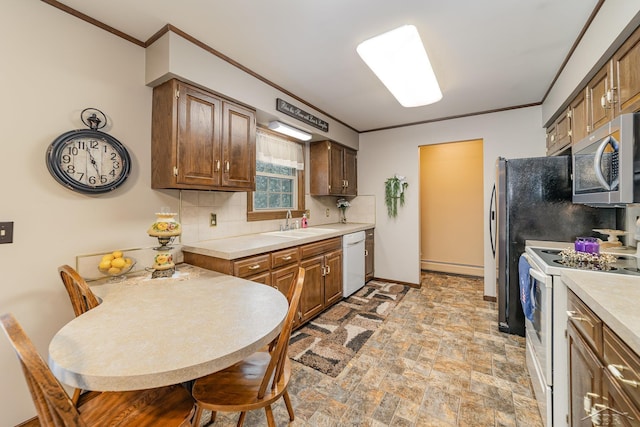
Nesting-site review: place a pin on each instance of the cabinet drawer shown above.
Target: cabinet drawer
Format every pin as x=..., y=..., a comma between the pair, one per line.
x=284, y=257
x=251, y=266
x=586, y=321
x=318, y=248
x=623, y=364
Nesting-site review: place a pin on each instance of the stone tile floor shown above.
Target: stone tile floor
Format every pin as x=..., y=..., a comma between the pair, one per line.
x=438, y=360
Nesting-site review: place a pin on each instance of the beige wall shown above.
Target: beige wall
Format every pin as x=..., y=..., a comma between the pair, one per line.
x=451, y=207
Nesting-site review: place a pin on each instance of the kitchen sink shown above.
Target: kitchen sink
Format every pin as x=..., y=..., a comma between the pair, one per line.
x=300, y=233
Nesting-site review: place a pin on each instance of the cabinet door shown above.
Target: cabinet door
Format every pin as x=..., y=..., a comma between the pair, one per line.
x=579, y=122
x=198, y=137
x=626, y=63
x=623, y=412
x=369, y=247
x=238, y=147
x=333, y=278
x=600, y=111
x=585, y=376
x=336, y=176
x=350, y=172
x=282, y=278
x=312, y=298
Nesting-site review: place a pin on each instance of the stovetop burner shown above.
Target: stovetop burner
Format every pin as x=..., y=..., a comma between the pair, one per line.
x=586, y=266
x=624, y=264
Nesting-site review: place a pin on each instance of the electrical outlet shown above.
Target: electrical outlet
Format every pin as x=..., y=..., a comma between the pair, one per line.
x=326, y=212
x=6, y=232
x=213, y=220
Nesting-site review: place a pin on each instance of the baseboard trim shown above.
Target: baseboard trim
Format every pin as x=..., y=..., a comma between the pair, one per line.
x=412, y=285
x=490, y=298
x=33, y=422
x=465, y=270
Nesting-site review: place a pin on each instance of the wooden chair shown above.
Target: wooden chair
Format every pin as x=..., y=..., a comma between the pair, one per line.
x=255, y=382
x=165, y=406
x=82, y=299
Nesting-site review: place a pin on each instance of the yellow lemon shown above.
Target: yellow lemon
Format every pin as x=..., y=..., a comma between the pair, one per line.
x=104, y=264
x=118, y=262
x=114, y=270
x=108, y=257
x=128, y=261
x=117, y=254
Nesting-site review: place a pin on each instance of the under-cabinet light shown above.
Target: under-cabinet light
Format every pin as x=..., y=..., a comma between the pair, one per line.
x=289, y=130
x=400, y=61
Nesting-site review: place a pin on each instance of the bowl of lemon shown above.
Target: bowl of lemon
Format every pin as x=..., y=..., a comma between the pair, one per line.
x=116, y=264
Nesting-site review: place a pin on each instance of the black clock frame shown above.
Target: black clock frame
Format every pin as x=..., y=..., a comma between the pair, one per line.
x=55, y=151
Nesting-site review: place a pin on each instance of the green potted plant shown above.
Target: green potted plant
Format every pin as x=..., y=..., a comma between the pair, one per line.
x=394, y=188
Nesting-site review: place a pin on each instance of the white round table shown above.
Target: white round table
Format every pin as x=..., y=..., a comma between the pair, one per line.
x=154, y=332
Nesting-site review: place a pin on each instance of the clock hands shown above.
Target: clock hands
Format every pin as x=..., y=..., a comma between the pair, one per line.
x=93, y=161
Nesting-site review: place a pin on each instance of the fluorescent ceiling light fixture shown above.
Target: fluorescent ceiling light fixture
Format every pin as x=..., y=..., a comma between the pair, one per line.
x=400, y=61
x=289, y=130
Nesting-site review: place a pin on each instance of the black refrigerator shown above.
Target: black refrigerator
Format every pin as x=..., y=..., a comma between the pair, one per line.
x=532, y=201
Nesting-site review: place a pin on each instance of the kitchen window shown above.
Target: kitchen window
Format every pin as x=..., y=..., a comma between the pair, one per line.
x=279, y=177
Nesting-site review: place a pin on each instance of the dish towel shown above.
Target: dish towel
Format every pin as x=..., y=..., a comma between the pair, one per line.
x=526, y=288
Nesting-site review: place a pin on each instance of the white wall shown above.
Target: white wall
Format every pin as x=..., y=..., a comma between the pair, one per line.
x=510, y=134
x=54, y=66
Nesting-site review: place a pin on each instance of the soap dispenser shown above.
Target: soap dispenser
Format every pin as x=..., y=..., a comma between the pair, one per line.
x=304, y=220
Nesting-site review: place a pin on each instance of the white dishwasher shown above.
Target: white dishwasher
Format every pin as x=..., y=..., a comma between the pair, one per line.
x=352, y=262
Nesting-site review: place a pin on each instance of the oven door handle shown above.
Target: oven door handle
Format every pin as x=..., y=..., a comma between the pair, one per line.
x=597, y=162
x=533, y=271
x=538, y=275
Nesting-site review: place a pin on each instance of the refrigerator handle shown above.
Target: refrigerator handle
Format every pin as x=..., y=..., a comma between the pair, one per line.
x=492, y=219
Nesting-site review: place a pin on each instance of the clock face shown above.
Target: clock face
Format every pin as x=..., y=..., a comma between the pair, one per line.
x=88, y=161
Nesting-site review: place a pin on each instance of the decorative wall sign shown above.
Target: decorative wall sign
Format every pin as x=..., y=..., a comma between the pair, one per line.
x=298, y=113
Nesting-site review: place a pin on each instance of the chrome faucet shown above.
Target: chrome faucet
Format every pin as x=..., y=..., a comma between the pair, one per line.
x=286, y=221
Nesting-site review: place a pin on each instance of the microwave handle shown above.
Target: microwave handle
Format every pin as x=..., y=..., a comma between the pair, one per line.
x=597, y=161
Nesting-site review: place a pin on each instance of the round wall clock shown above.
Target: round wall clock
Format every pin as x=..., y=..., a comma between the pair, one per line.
x=87, y=160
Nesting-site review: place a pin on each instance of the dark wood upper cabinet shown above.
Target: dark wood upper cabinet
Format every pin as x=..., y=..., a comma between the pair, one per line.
x=600, y=110
x=333, y=169
x=626, y=63
x=200, y=140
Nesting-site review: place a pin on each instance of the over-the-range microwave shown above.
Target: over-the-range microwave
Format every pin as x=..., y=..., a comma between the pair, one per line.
x=606, y=164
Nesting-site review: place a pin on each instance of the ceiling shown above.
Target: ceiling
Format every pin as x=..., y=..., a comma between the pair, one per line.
x=487, y=55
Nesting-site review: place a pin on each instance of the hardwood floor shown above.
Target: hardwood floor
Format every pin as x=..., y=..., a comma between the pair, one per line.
x=437, y=360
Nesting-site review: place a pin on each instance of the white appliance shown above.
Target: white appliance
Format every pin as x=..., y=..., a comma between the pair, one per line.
x=353, y=262
x=546, y=343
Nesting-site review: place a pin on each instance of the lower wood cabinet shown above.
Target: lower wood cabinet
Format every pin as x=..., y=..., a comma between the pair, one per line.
x=368, y=255
x=322, y=262
x=604, y=373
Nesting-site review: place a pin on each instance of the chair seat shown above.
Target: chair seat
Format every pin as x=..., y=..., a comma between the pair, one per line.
x=165, y=406
x=236, y=388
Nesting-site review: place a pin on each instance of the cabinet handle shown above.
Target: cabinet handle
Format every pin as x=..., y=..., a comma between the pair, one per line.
x=286, y=258
x=217, y=166
x=597, y=412
x=226, y=166
x=617, y=374
x=324, y=270
x=328, y=269
x=254, y=267
x=573, y=316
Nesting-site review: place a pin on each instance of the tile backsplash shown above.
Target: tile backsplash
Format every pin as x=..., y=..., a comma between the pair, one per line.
x=230, y=208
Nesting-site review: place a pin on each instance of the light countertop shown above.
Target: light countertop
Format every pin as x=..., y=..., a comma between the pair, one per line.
x=613, y=297
x=155, y=332
x=253, y=244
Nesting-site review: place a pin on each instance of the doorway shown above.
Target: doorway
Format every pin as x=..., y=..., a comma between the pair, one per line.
x=451, y=207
